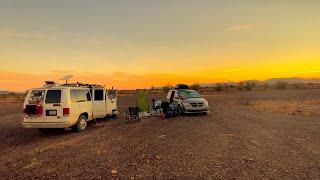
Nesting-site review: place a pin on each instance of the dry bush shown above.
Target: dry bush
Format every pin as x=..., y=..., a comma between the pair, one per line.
x=166, y=88
x=292, y=107
x=195, y=87
x=12, y=97
x=219, y=88
x=281, y=85
x=246, y=101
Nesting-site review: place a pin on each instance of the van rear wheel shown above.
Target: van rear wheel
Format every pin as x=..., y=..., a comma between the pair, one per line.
x=44, y=130
x=81, y=124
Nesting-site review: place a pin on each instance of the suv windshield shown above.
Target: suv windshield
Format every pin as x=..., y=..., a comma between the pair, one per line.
x=189, y=94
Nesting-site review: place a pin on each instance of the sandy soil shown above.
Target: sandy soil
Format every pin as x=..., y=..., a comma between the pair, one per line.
x=248, y=135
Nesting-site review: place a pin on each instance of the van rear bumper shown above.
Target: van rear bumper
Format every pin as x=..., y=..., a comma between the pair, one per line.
x=46, y=124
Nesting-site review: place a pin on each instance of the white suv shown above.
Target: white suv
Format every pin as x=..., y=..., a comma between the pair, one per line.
x=188, y=101
x=70, y=105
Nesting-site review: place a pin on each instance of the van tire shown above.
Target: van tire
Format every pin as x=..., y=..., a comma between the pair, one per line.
x=81, y=124
x=44, y=130
x=114, y=116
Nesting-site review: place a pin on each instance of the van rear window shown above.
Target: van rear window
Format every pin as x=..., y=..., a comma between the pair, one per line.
x=53, y=96
x=36, y=97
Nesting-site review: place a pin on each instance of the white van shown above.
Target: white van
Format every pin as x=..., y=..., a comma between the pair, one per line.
x=68, y=105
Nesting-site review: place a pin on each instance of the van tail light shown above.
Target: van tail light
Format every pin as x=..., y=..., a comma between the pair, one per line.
x=24, y=111
x=39, y=110
x=66, y=111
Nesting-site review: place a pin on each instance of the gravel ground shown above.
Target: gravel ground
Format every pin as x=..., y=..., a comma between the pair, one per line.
x=235, y=141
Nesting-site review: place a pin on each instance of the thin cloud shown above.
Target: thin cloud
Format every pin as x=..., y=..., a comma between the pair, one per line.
x=242, y=27
x=119, y=80
x=307, y=72
x=232, y=70
x=26, y=35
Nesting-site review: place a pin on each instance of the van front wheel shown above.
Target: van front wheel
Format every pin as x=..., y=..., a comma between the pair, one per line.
x=81, y=124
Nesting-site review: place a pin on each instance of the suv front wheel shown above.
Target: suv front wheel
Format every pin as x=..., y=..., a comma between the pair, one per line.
x=81, y=124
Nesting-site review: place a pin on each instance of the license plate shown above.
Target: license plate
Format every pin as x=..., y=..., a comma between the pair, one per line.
x=51, y=112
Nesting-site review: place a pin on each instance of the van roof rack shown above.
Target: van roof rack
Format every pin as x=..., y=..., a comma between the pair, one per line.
x=82, y=85
x=49, y=84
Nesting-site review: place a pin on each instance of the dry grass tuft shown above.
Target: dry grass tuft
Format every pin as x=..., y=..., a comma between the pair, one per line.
x=292, y=107
x=12, y=98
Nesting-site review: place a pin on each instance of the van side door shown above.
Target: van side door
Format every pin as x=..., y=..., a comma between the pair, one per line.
x=98, y=103
x=111, y=101
x=84, y=100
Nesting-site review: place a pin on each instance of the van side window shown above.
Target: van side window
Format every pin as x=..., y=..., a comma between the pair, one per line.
x=53, y=96
x=98, y=95
x=80, y=95
x=73, y=95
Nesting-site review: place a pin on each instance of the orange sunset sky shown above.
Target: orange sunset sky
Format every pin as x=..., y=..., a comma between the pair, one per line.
x=137, y=44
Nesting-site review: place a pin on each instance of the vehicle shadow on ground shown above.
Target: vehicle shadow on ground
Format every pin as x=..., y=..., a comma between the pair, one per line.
x=195, y=115
x=96, y=123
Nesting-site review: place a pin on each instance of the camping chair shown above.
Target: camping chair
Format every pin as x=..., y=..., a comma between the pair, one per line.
x=132, y=114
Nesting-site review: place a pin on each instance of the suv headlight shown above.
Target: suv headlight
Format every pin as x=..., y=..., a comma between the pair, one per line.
x=185, y=104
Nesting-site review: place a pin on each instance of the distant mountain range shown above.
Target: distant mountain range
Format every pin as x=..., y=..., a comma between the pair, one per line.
x=4, y=92
x=292, y=80
x=272, y=81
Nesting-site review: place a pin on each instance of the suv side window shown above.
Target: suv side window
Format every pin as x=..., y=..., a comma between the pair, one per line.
x=98, y=95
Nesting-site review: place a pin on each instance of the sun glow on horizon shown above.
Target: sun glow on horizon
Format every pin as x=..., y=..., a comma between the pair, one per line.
x=139, y=44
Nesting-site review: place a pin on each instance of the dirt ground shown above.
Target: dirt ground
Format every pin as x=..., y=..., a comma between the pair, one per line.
x=247, y=135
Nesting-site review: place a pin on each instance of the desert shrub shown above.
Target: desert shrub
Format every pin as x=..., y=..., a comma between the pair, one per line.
x=195, y=87
x=266, y=86
x=241, y=86
x=281, y=85
x=166, y=88
x=226, y=87
x=219, y=87
x=182, y=86
x=297, y=86
x=249, y=85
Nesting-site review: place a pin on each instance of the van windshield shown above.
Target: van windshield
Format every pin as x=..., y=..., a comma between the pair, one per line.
x=36, y=97
x=189, y=94
x=53, y=96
